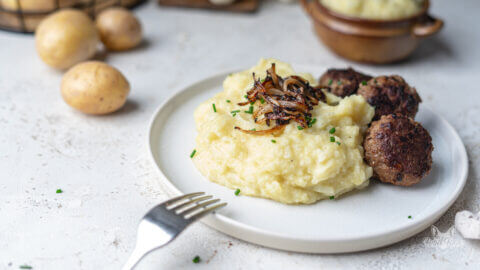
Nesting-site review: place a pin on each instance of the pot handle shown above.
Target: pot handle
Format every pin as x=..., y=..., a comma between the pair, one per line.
x=427, y=26
x=306, y=6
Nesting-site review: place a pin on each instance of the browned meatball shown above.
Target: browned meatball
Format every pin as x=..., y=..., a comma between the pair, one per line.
x=390, y=94
x=398, y=149
x=343, y=82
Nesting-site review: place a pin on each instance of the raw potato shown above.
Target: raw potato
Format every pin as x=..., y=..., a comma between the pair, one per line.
x=65, y=38
x=95, y=88
x=119, y=29
x=29, y=5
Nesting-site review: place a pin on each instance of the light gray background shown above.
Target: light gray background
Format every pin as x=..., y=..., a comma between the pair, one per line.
x=103, y=167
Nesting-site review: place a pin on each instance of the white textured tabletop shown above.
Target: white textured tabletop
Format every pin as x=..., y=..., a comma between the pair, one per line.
x=102, y=164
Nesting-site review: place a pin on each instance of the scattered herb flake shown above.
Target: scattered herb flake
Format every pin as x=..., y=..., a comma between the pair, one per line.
x=253, y=129
x=196, y=259
x=228, y=100
x=410, y=217
x=237, y=191
x=245, y=96
x=214, y=108
x=364, y=82
x=338, y=143
x=234, y=113
x=273, y=141
x=250, y=110
x=59, y=191
x=332, y=130
x=299, y=127
x=193, y=153
x=330, y=82
x=332, y=197
x=332, y=139
x=311, y=122
x=25, y=267
x=262, y=100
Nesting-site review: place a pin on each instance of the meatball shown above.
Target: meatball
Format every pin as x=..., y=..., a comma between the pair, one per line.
x=343, y=82
x=398, y=149
x=390, y=94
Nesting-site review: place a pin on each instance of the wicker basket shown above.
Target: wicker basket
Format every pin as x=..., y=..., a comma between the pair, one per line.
x=25, y=15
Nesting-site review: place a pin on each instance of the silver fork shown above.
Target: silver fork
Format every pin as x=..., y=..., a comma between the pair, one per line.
x=167, y=220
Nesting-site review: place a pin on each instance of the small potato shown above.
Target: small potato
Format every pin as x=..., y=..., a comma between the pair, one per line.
x=95, y=88
x=28, y=5
x=65, y=38
x=119, y=29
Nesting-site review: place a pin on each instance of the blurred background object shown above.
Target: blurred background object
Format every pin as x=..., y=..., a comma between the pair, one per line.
x=381, y=35
x=25, y=15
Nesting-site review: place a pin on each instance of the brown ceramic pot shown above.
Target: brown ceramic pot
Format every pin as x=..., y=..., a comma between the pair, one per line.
x=372, y=41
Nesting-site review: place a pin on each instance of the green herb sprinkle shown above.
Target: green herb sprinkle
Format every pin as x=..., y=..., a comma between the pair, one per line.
x=193, y=153
x=273, y=141
x=299, y=127
x=237, y=191
x=332, y=130
x=330, y=82
x=214, y=108
x=332, y=139
x=59, y=191
x=196, y=259
x=332, y=197
x=364, y=82
x=25, y=267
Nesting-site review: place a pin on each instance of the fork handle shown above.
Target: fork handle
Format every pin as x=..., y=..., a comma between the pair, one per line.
x=135, y=258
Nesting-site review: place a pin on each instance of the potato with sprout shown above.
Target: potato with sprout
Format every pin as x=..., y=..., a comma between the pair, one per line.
x=95, y=88
x=119, y=29
x=65, y=38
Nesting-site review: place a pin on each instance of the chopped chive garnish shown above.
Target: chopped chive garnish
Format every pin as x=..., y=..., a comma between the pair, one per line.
x=59, y=191
x=193, y=153
x=332, y=197
x=228, y=100
x=250, y=110
x=262, y=100
x=339, y=82
x=332, y=130
x=214, y=108
x=364, y=82
x=332, y=139
x=196, y=259
x=25, y=267
x=311, y=122
x=234, y=112
x=410, y=217
x=330, y=82
x=245, y=96
x=237, y=191
x=273, y=141
x=299, y=127
x=253, y=129
x=338, y=143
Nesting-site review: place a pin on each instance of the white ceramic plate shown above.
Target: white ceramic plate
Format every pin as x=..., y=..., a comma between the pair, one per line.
x=373, y=217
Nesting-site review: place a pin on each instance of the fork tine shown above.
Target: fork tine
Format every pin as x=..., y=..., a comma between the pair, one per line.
x=203, y=213
x=182, y=197
x=192, y=210
x=207, y=211
x=181, y=207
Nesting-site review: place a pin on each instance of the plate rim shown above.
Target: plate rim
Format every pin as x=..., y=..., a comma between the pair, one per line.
x=279, y=241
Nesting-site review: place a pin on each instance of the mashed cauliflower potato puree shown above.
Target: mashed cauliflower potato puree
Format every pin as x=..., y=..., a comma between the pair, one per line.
x=375, y=9
x=294, y=167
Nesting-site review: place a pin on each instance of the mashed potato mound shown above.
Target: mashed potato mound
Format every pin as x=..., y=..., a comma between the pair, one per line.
x=375, y=9
x=294, y=167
